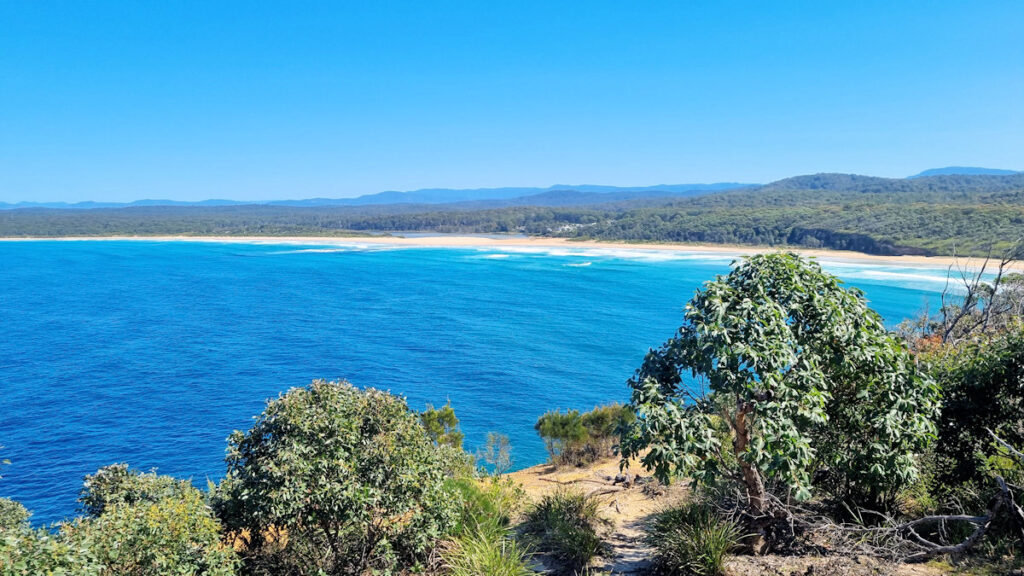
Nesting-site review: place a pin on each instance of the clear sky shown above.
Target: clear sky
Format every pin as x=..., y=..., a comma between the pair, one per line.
x=254, y=100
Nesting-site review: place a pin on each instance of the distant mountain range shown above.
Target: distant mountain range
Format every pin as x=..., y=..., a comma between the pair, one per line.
x=965, y=170
x=88, y=205
x=559, y=195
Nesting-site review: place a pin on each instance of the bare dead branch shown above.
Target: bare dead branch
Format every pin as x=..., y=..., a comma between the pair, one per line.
x=975, y=311
x=1006, y=446
x=895, y=540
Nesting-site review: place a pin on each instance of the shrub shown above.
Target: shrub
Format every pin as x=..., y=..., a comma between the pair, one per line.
x=563, y=433
x=455, y=462
x=565, y=523
x=173, y=535
x=496, y=453
x=13, y=516
x=577, y=439
x=351, y=477
x=605, y=422
x=692, y=538
x=487, y=505
x=483, y=544
x=119, y=484
x=983, y=389
x=31, y=552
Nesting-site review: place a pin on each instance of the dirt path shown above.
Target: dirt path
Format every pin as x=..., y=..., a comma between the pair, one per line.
x=630, y=554
x=628, y=508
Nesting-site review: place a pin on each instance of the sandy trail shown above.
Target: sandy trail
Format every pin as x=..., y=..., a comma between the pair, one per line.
x=630, y=509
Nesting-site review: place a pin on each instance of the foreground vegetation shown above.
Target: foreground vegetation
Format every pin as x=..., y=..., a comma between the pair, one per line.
x=815, y=431
x=935, y=215
x=693, y=537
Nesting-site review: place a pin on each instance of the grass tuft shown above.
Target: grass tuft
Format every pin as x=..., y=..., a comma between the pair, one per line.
x=565, y=524
x=486, y=551
x=692, y=538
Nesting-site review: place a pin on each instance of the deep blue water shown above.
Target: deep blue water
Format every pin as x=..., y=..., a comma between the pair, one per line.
x=151, y=353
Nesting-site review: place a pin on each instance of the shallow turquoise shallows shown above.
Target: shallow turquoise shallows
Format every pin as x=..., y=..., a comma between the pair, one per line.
x=151, y=353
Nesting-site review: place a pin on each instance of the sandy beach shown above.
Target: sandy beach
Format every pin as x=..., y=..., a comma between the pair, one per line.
x=520, y=243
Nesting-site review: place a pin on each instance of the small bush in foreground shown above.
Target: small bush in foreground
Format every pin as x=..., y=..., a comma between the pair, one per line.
x=565, y=524
x=483, y=545
x=175, y=535
x=692, y=538
x=983, y=389
x=119, y=484
x=351, y=476
x=171, y=536
x=13, y=516
x=31, y=552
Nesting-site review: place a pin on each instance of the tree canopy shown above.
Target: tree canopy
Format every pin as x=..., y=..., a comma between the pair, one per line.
x=792, y=374
x=442, y=425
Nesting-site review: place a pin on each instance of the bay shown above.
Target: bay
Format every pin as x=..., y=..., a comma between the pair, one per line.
x=152, y=352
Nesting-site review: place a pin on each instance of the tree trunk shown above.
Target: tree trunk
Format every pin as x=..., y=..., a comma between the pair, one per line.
x=756, y=497
x=751, y=476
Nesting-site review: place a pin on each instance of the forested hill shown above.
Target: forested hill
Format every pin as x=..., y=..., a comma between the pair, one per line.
x=932, y=215
x=941, y=184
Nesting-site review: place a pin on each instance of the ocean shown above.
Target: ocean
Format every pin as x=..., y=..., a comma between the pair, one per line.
x=151, y=353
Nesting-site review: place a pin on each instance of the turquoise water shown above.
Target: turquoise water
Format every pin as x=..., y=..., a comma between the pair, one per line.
x=151, y=353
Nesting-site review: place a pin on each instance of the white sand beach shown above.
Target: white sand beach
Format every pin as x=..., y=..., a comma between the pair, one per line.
x=515, y=242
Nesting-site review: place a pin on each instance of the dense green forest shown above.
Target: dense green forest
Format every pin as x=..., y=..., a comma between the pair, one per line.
x=937, y=215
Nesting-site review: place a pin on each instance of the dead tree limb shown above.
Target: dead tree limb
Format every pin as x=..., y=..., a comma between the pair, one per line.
x=904, y=541
x=973, y=312
x=1006, y=446
x=982, y=523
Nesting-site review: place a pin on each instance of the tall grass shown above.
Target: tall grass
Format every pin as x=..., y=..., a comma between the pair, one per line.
x=565, y=524
x=692, y=538
x=486, y=504
x=487, y=552
x=483, y=544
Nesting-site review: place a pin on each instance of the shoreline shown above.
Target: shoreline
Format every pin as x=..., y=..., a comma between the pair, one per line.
x=467, y=241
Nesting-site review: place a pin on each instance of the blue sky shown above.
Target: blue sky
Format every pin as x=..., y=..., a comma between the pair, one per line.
x=256, y=100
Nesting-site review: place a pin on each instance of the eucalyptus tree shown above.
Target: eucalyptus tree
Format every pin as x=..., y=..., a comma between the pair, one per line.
x=778, y=373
